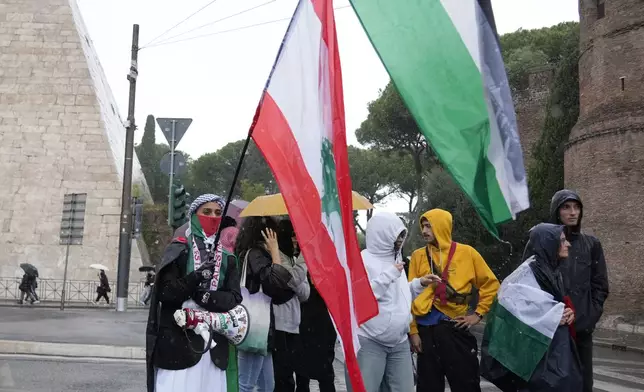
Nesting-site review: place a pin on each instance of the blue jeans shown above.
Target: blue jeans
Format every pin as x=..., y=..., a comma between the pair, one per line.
x=255, y=370
x=383, y=368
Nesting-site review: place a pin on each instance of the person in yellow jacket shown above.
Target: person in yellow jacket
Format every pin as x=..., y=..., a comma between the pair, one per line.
x=439, y=332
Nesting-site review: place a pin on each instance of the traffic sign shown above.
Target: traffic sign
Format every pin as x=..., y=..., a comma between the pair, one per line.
x=180, y=127
x=180, y=165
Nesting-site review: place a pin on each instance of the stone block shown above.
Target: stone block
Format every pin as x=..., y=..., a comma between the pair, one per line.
x=74, y=146
x=54, y=145
x=107, y=185
x=86, y=185
x=85, y=99
x=67, y=100
x=111, y=202
x=93, y=138
x=98, y=162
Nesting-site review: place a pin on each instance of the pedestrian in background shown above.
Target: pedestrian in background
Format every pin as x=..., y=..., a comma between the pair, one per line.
x=27, y=289
x=147, y=288
x=103, y=288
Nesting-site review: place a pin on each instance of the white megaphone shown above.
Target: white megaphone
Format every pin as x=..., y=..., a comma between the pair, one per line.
x=232, y=324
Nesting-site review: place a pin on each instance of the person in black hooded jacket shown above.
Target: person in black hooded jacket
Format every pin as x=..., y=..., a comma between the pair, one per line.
x=193, y=273
x=584, y=276
x=558, y=370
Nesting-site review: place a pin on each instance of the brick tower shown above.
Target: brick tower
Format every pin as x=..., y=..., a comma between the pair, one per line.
x=60, y=133
x=604, y=158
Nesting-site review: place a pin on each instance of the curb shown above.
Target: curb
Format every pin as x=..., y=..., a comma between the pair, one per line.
x=51, y=305
x=618, y=347
x=71, y=350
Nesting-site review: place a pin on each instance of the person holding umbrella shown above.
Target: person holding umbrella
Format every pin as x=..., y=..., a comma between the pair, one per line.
x=103, y=288
x=29, y=284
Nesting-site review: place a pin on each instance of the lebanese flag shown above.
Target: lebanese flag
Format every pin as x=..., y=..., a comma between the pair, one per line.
x=299, y=127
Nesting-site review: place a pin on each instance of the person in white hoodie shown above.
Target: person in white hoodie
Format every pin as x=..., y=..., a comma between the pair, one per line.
x=385, y=354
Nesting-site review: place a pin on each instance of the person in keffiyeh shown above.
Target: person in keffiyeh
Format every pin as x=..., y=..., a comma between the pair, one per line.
x=192, y=274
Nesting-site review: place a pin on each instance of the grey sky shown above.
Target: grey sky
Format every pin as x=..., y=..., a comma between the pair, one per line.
x=217, y=79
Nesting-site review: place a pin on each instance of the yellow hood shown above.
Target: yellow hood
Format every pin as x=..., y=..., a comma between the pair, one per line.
x=466, y=269
x=441, y=222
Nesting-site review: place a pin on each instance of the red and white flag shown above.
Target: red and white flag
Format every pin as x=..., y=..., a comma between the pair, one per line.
x=300, y=129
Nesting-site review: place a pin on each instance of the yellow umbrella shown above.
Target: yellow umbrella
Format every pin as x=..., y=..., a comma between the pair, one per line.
x=273, y=205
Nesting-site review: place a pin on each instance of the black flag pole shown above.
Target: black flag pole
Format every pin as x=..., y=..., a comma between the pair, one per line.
x=231, y=191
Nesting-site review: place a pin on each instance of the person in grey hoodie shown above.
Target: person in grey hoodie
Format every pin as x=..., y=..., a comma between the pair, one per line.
x=385, y=354
x=287, y=346
x=585, y=276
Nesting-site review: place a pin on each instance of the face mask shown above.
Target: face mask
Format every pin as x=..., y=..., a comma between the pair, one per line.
x=209, y=224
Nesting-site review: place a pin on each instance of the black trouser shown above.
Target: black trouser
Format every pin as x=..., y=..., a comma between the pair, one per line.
x=449, y=352
x=585, y=349
x=31, y=296
x=102, y=295
x=325, y=384
x=325, y=380
x=285, y=358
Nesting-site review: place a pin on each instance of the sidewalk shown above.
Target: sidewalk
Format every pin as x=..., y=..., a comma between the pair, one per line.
x=72, y=305
x=92, y=333
x=619, y=340
x=607, y=338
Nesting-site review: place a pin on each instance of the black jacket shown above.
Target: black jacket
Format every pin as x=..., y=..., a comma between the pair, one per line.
x=559, y=369
x=273, y=280
x=104, y=286
x=584, y=273
x=167, y=345
x=28, y=283
x=318, y=337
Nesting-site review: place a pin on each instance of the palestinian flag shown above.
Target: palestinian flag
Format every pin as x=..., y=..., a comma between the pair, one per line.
x=300, y=129
x=443, y=57
x=522, y=316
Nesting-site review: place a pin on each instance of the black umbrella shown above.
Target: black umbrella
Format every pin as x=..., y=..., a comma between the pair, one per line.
x=29, y=269
x=146, y=268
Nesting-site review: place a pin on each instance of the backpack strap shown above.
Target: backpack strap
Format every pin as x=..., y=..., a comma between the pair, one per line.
x=441, y=288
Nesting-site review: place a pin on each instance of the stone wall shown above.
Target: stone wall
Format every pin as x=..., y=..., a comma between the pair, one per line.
x=604, y=159
x=530, y=105
x=60, y=132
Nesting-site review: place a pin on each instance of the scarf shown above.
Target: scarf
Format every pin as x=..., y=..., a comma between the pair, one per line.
x=196, y=258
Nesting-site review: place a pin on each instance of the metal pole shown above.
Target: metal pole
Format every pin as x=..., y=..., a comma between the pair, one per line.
x=172, y=147
x=69, y=243
x=125, y=230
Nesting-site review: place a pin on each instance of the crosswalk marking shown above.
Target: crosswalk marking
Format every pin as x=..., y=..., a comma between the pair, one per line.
x=604, y=386
x=619, y=376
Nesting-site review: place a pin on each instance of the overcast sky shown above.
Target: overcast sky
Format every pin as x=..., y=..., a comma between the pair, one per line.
x=217, y=79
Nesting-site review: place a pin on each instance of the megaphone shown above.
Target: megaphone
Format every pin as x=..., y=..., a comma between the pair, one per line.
x=232, y=324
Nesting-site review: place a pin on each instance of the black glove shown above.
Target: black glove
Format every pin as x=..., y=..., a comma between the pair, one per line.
x=204, y=272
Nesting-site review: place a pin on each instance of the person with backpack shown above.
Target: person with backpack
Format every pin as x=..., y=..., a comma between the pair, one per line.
x=440, y=332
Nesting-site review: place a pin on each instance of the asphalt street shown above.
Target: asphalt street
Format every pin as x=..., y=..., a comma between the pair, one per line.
x=614, y=372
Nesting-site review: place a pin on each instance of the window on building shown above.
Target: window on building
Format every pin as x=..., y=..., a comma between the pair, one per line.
x=601, y=12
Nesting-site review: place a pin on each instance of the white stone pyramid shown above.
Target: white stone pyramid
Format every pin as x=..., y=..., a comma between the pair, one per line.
x=60, y=133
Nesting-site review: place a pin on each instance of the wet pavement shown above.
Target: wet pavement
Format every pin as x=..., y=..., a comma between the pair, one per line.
x=615, y=370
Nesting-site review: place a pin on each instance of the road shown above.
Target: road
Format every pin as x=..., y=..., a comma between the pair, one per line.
x=614, y=372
